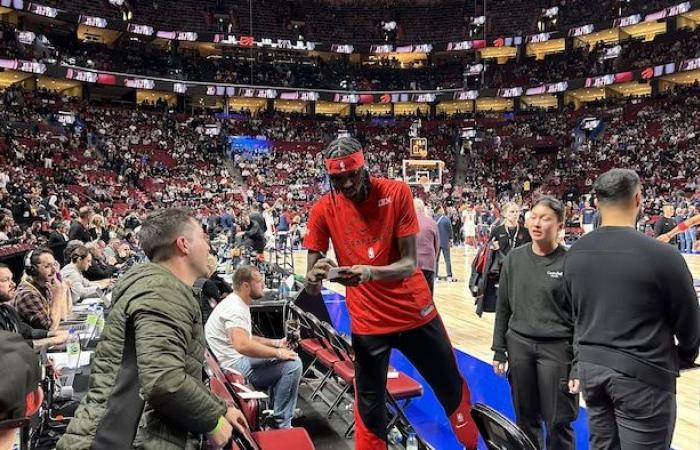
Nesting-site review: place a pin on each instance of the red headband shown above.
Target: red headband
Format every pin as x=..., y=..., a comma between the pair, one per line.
x=345, y=164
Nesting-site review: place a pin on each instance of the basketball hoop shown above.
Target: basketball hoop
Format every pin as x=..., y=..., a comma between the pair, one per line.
x=425, y=182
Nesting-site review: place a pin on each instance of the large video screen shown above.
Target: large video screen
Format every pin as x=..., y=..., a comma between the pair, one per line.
x=248, y=145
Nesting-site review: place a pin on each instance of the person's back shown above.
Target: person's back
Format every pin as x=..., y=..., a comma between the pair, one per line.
x=632, y=302
x=636, y=322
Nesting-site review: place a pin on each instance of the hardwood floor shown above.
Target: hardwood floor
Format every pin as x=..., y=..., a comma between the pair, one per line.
x=472, y=335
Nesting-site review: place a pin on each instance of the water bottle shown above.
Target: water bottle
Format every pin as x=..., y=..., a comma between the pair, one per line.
x=283, y=291
x=91, y=321
x=394, y=436
x=73, y=348
x=412, y=442
x=100, y=324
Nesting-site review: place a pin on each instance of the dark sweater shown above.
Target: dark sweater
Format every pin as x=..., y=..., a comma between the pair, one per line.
x=531, y=299
x=663, y=226
x=631, y=296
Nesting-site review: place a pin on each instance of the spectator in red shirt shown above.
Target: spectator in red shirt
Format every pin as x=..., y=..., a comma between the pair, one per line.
x=373, y=226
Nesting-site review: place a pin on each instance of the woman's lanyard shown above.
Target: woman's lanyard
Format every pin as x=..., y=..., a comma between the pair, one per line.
x=514, y=238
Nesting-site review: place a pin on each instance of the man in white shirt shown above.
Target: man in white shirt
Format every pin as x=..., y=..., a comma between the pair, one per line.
x=264, y=362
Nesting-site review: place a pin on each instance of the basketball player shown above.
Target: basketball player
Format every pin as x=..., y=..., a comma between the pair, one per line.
x=373, y=225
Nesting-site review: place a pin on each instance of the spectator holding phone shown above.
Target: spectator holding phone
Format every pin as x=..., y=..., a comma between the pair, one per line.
x=42, y=299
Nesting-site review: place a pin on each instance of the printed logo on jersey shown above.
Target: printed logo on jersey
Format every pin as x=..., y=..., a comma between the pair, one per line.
x=427, y=310
x=370, y=253
x=383, y=202
x=555, y=275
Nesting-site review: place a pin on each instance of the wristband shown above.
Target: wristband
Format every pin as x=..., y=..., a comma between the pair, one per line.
x=369, y=273
x=682, y=226
x=219, y=425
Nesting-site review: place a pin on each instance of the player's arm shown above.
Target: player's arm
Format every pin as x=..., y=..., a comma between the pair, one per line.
x=682, y=227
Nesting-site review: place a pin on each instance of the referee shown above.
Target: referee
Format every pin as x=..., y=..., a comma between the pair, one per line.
x=636, y=323
x=533, y=331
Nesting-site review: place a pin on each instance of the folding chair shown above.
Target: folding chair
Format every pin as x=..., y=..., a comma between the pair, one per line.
x=309, y=345
x=498, y=432
x=400, y=390
x=295, y=438
x=250, y=408
x=326, y=357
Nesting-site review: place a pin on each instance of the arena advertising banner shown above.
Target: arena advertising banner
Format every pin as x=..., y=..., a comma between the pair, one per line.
x=139, y=83
x=553, y=88
x=16, y=4
x=258, y=93
x=188, y=36
x=540, y=37
x=23, y=66
x=510, y=41
x=342, y=48
x=143, y=30
x=92, y=21
x=304, y=96
x=582, y=30
x=465, y=45
x=634, y=19
x=690, y=64
x=466, y=95
x=41, y=10
x=220, y=91
x=671, y=11
x=510, y=92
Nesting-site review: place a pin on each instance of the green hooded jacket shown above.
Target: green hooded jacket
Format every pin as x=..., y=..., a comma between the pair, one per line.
x=146, y=388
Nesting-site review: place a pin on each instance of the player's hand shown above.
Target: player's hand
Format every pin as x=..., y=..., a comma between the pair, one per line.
x=664, y=238
x=500, y=368
x=574, y=386
x=357, y=274
x=319, y=271
x=235, y=417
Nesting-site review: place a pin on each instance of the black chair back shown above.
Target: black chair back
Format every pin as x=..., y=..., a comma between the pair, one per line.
x=498, y=432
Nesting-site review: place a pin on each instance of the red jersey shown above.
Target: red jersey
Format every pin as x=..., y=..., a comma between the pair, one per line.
x=367, y=234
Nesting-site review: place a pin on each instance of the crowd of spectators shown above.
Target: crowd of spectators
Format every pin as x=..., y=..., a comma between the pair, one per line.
x=125, y=161
x=298, y=70
x=360, y=21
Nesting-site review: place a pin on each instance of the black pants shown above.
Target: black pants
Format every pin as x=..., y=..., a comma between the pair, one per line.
x=429, y=350
x=430, y=278
x=624, y=412
x=538, y=373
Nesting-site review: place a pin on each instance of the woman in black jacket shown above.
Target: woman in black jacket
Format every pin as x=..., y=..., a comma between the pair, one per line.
x=503, y=238
x=533, y=331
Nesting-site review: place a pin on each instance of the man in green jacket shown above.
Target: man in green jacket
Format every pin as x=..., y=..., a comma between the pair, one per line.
x=146, y=388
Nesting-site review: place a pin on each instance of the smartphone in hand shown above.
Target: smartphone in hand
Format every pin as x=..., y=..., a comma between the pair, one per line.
x=339, y=273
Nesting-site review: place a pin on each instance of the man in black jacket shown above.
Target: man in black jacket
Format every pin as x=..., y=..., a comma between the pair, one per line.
x=79, y=228
x=633, y=299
